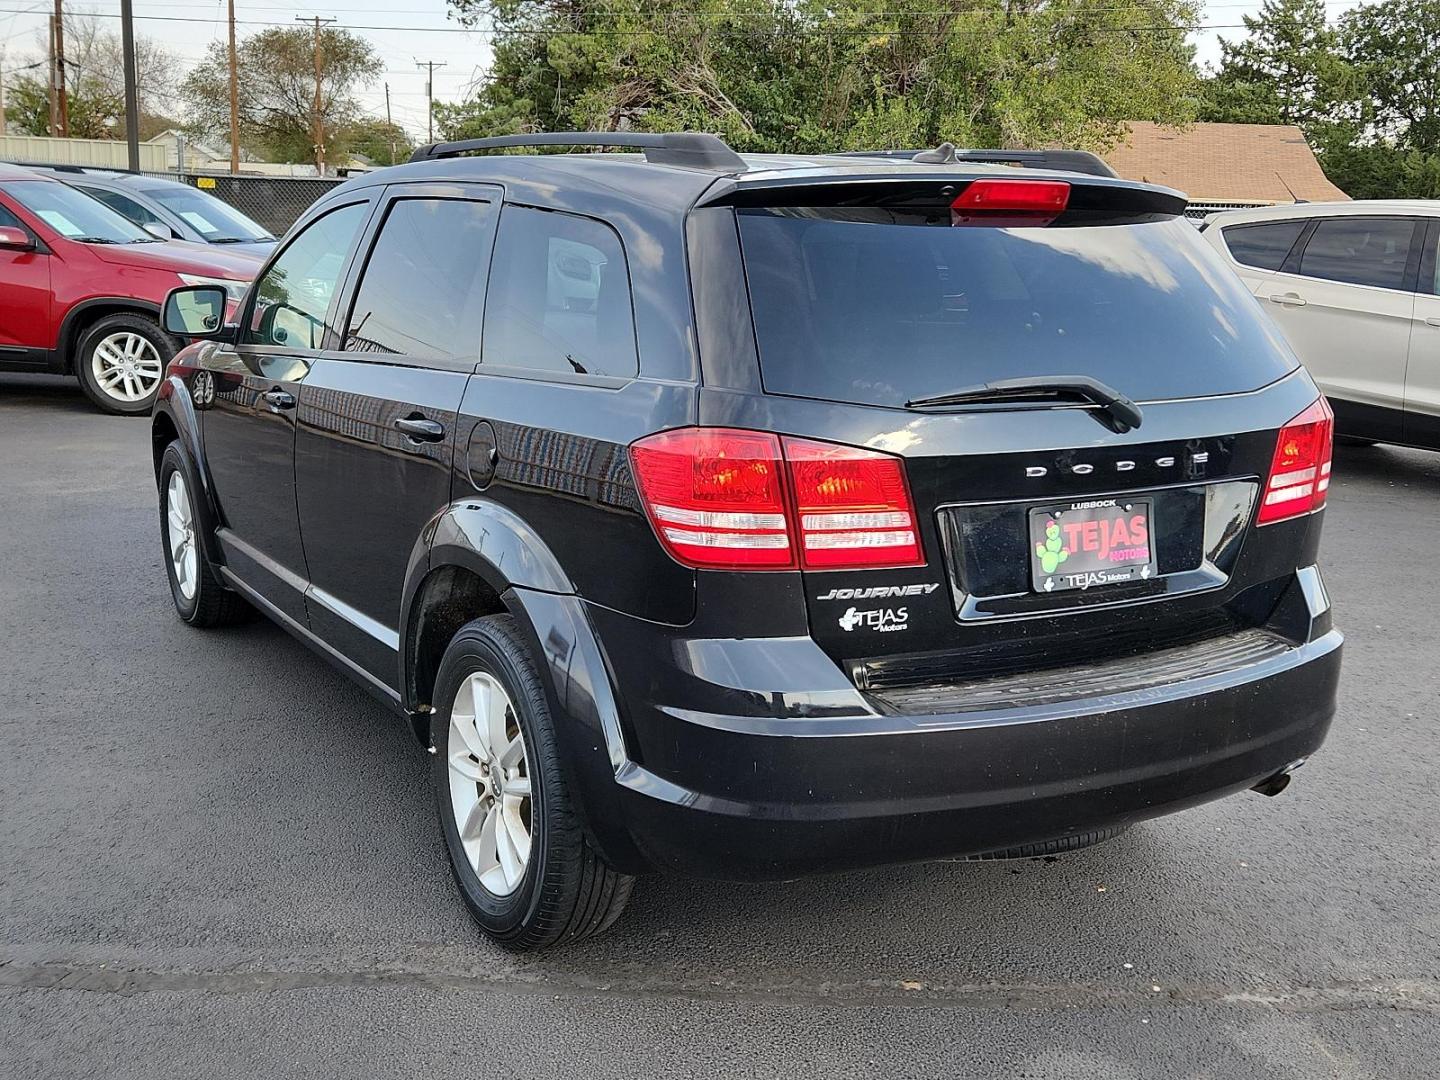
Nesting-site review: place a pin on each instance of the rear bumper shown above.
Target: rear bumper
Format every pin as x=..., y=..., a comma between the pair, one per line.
x=789, y=782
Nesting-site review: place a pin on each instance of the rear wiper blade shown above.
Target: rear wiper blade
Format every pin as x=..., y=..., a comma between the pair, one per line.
x=1116, y=412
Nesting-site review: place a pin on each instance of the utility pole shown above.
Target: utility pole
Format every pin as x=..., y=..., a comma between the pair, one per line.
x=234, y=101
x=54, y=111
x=389, y=124
x=319, y=65
x=429, y=66
x=62, y=113
x=2, y=91
x=132, y=93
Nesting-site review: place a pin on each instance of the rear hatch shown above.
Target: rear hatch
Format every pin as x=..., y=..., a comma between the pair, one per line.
x=981, y=340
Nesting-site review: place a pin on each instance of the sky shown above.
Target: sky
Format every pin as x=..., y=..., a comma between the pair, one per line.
x=402, y=35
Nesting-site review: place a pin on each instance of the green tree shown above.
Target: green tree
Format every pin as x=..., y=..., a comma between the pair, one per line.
x=276, y=73
x=809, y=75
x=94, y=86
x=1288, y=69
x=1394, y=47
x=381, y=142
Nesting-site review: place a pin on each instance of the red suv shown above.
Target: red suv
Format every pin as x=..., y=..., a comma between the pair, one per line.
x=81, y=286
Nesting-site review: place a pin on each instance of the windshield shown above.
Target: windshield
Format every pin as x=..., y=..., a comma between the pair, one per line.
x=218, y=222
x=880, y=313
x=75, y=215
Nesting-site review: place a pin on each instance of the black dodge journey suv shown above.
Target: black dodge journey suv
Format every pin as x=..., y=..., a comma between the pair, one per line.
x=749, y=517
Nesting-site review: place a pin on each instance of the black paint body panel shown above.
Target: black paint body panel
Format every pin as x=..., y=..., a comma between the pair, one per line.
x=726, y=724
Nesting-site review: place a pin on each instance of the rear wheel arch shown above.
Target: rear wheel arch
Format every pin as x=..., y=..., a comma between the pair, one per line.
x=465, y=559
x=446, y=599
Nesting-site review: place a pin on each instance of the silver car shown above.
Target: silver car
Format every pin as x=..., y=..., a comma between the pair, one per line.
x=1356, y=289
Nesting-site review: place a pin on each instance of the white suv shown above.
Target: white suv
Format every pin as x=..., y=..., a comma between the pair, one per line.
x=1355, y=288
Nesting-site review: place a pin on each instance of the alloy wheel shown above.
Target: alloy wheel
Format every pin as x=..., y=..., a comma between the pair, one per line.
x=180, y=534
x=490, y=792
x=126, y=366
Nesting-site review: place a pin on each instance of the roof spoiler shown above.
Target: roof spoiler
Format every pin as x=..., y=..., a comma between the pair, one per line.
x=931, y=190
x=687, y=149
x=1079, y=161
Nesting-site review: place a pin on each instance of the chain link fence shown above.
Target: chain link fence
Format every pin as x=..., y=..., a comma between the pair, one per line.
x=273, y=201
x=1199, y=211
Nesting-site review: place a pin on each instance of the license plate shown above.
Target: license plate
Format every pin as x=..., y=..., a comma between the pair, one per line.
x=1080, y=545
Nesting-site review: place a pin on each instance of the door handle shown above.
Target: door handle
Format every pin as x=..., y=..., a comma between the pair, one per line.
x=420, y=429
x=279, y=400
x=1433, y=320
x=1289, y=299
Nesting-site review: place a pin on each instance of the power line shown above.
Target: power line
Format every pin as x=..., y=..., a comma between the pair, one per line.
x=823, y=31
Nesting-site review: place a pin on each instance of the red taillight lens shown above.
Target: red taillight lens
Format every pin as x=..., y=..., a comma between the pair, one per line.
x=1010, y=202
x=1300, y=472
x=745, y=500
x=853, y=507
x=716, y=497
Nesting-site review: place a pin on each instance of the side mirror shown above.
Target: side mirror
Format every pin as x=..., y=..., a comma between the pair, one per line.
x=159, y=230
x=16, y=239
x=195, y=311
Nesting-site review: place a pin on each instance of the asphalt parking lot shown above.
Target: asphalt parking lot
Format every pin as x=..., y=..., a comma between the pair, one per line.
x=218, y=859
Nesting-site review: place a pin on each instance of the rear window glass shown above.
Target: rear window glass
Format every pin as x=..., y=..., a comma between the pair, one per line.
x=1263, y=246
x=879, y=313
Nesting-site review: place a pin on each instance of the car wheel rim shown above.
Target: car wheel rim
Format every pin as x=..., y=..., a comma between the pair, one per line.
x=126, y=366
x=180, y=534
x=490, y=792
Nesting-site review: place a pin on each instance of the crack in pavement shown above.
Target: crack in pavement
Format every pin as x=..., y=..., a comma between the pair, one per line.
x=1406, y=995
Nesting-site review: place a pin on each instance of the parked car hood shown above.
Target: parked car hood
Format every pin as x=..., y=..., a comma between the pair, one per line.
x=182, y=257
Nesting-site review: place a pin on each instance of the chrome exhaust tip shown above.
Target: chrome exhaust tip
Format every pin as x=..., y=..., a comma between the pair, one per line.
x=1273, y=785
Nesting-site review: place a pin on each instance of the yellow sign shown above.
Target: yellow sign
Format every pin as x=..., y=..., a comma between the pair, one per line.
x=205, y=182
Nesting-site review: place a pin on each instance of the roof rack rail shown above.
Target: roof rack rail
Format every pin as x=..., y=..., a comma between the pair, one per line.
x=1080, y=161
x=689, y=149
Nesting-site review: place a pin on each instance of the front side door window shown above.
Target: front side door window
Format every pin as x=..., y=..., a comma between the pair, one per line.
x=422, y=292
x=124, y=205
x=293, y=299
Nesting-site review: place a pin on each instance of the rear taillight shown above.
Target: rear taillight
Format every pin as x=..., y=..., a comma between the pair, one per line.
x=716, y=497
x=745, y=500
x=1300, y=472
x=853, y=507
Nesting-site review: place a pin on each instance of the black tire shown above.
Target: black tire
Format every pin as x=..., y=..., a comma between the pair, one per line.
x=1053, y=847
x=212, y=603
x=125, y=322
x=566, y=892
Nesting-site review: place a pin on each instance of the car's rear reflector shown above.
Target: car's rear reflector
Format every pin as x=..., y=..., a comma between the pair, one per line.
x=1005, y=202
x=745, y=500
x=1300, y=471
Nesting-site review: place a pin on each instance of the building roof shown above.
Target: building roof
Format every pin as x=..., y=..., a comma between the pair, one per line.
x=1255, y=163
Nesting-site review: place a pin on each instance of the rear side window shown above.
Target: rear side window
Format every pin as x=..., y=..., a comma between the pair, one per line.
x=559, y=296
x=1359, y=251
x=424, y=284
x=866, y=311
x=1263, y=246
